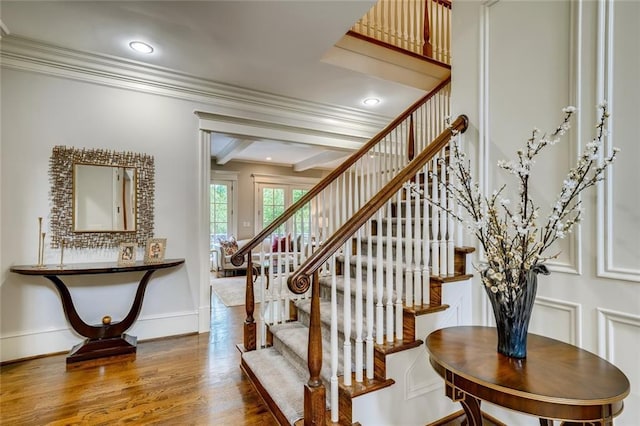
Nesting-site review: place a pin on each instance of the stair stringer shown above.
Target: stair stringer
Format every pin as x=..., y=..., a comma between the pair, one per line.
x=417, y=397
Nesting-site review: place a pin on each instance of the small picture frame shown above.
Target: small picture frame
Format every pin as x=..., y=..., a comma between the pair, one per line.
x=127, y=254
x=154, y=251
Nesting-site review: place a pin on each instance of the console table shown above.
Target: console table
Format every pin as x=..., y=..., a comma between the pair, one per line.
x=108, y=338
x=555, y=381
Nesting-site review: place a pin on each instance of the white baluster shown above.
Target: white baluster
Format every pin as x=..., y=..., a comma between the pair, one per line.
x=379, y=286
x=389, y=276
x=334, y=341
x=417, y=240
x=435, y=220
x=408, y=243
x=450, y=225
x=359, y=318
x=369, y=305
x=426, y=287
x=369, y=300
x=347, y=313
x=399, y=267
x=272, y=284
x=443, y=218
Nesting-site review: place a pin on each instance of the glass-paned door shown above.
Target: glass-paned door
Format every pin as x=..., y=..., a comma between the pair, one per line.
x=302, y=218
x=273, y=205
x=221, y=210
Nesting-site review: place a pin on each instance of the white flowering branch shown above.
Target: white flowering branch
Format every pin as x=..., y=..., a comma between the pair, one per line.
x=510, y=235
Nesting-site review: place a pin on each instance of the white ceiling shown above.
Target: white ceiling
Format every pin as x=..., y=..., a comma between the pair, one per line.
x=270, y=46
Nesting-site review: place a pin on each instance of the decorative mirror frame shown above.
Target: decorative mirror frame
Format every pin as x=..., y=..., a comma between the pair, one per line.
x=61, y=179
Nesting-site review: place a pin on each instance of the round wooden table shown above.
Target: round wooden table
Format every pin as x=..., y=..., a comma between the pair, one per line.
x=555, y=381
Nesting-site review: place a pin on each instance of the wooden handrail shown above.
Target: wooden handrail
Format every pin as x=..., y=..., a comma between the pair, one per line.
x=445, y=3
x=300, y=280
x=238, y=258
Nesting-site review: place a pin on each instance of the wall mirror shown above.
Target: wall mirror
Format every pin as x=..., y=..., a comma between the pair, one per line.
x=104, y=198
x=100, y=198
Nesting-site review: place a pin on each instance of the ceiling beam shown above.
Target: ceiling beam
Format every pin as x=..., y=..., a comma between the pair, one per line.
x=318, y=160
x=234, y=147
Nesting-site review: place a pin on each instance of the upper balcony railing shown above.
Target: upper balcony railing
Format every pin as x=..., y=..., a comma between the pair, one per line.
x=418, y=26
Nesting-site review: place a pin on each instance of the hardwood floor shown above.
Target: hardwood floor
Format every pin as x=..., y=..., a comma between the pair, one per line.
x=184, y=380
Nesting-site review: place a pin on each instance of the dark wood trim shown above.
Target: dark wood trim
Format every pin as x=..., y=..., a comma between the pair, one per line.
x=367, y=386
x=314, y=391
x=93, y=268
x=250, y=329
x=315, y=405
x=411, y=142
x=399, y=50
x=460, y=419
x=426, y=309
x=445, y=3
x=238, y=258
x=299, y=280
x=451, y=278
x=427, y=49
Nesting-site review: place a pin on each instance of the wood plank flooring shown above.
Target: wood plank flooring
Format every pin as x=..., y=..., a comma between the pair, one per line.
x=189, y=380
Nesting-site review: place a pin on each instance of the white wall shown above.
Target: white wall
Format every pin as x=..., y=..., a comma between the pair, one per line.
x=516, y=64
x=51, y=98
x=40, y=112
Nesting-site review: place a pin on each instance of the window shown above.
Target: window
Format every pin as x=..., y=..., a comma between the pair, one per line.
x=273, y=198
x=302, y=218
x=273, y=205
x=221, y=210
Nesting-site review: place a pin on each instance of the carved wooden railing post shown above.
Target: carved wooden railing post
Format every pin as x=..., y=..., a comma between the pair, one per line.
x=427, y=49
x=250, y=335
x=411, y=142
x=315, y=404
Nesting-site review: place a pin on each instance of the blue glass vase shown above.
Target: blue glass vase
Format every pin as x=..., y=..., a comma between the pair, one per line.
x=512, y=316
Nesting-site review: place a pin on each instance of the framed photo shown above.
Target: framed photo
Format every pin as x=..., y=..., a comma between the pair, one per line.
x=127, y=254
x=154, y=251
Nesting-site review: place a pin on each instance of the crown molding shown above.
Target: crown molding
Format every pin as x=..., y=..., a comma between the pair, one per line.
x=24, y=54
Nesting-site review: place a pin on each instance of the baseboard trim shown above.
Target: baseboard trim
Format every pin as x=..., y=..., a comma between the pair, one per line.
x=52, y=342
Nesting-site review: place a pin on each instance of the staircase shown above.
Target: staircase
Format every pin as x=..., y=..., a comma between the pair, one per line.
x=346, y=295
x=332, y=311
x=280, y=370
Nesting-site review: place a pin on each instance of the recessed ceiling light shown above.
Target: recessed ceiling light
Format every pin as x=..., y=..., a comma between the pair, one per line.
x=141, y=47
x=371, y=101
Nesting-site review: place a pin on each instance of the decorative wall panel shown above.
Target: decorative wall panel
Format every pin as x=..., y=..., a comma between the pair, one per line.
x=510, y=108
x=618, y=209
x=557, y=319
x=619, y=342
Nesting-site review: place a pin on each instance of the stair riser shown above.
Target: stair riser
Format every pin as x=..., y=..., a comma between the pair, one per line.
x=325, y=293
x=382, y=245
x=303, y=317
x=292, y=356
x=381, y=227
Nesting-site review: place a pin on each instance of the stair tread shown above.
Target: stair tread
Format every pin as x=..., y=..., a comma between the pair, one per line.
x=284, y=384
x=295, y=336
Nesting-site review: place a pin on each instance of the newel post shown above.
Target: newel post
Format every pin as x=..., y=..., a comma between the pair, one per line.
x=249, y=323
x=427, y=49
x=315, y=404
